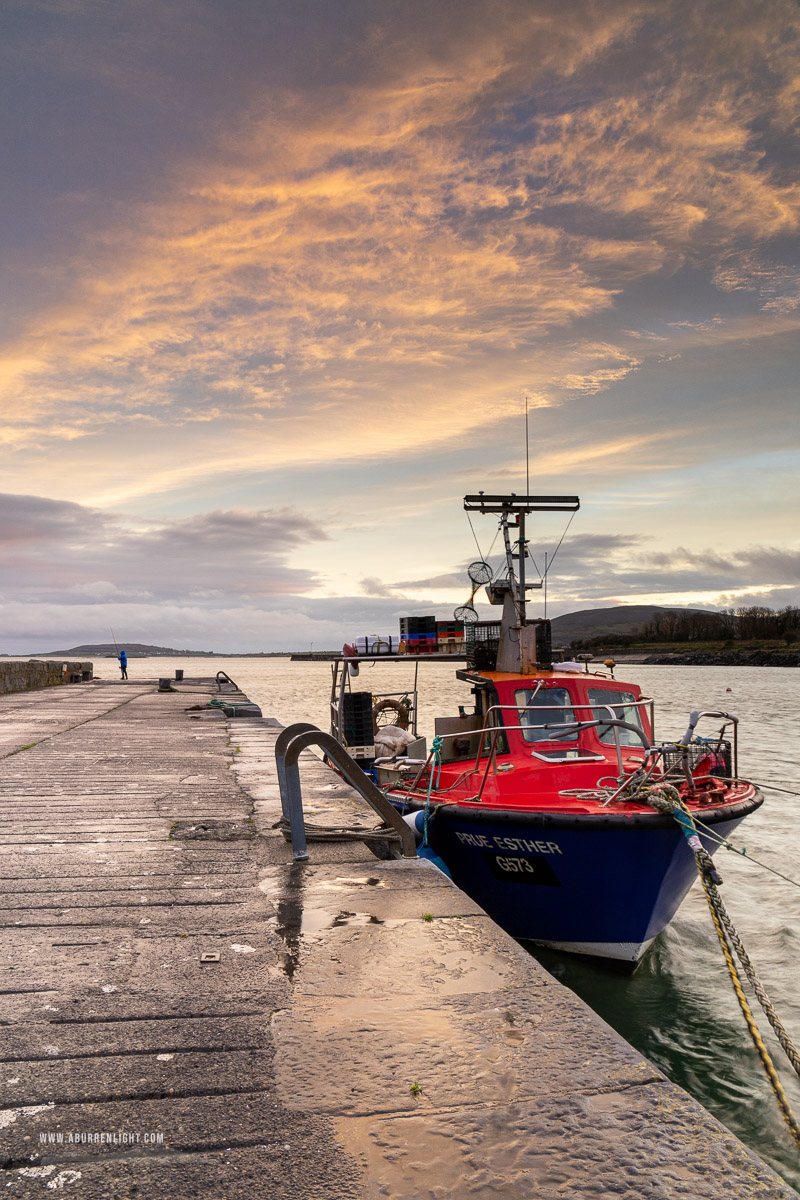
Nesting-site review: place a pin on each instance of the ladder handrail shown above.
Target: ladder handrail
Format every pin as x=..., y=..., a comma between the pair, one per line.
x=282, y=742
x=288, y=748
x=225, y=678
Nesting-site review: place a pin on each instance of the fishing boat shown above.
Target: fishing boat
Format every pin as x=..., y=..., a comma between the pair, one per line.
x=550, y=800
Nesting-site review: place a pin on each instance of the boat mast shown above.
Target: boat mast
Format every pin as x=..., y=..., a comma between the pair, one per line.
x=517, y=650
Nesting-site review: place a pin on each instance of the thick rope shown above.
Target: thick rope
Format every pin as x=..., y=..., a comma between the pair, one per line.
x=339, y=833
x=667, y=799
x=734, y=939
x=763, y=1053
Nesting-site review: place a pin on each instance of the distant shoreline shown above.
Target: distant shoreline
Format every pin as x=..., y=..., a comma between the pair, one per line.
x=86, y=651
x=708, y=658
x=689, y=658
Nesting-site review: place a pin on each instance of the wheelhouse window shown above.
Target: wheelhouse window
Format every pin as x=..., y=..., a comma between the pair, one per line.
x=545, y=706
x=624, y=709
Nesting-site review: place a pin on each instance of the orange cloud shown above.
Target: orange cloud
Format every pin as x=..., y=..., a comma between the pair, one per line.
x=402, y=247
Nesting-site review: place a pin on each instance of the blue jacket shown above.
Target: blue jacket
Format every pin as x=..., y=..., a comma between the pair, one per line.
x=123, y=659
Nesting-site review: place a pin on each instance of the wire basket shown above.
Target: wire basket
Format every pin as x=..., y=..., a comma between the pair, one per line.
x=481, y=645
x=710, y=754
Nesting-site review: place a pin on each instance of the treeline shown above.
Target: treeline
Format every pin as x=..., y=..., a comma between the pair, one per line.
x=753, y=624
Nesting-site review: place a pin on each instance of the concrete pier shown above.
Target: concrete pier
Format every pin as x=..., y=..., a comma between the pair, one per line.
x=186, y=1012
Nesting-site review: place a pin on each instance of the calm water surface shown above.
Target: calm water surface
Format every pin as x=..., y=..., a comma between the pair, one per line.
x=679, y=1008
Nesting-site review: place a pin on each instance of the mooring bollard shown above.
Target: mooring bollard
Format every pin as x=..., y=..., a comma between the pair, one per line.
x=178, y=675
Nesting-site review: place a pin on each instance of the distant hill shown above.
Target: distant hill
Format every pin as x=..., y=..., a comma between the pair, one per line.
x=599, y=622
x=571, y=627
x=132, y=649
x=139, y=650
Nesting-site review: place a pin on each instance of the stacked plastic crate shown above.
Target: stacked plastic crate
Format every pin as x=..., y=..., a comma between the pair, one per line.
x=357, y=724
x=450, y=637
x=419, y=634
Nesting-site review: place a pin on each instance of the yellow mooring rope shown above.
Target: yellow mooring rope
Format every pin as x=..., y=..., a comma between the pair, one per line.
x=763, y=1053
x=667, y=799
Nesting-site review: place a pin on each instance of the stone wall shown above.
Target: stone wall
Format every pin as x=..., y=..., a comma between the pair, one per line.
x=25, y=676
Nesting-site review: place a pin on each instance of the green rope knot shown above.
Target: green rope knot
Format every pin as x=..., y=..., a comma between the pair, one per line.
x=436, y=770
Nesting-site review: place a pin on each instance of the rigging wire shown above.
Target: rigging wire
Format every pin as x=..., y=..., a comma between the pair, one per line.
x=558, y=547
x=543, y=575
x=475, y=536
x=494, y=539
x=773, y=788
x=484, y=557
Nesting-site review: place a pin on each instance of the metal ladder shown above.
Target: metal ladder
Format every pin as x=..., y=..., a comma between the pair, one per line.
x=290, y=744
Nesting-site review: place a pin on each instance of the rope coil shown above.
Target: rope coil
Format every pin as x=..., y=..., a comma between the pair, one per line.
x=339, y=833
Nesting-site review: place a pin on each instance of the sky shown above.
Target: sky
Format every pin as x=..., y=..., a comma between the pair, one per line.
x=279, y=279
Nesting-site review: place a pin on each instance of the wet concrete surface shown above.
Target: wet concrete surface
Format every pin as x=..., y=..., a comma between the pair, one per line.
x=363, y=1029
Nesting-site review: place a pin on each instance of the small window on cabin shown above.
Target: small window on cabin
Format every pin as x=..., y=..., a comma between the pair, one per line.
x=545, y=706
x=624, y=708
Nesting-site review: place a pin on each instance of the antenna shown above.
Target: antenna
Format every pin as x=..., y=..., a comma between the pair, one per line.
x=527, y=452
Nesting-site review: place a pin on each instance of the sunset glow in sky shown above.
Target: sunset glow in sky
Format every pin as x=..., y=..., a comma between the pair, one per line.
x=278, y=279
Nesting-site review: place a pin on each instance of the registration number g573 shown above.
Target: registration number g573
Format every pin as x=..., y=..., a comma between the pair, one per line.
x=521, y=869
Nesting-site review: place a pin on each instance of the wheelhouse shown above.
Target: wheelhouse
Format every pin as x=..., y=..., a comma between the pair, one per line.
x=540, y=716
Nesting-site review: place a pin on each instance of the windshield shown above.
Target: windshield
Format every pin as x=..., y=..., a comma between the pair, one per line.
x=551, y=706
x=625, y=709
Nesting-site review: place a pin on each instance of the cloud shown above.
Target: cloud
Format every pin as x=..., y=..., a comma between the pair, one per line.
x=778, y=566
x=229, y=579
x=419, y=228
x=375, y=587
x=50, y=547
x=452, y=579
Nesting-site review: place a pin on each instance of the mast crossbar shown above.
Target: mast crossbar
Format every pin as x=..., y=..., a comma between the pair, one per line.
x=521, y=504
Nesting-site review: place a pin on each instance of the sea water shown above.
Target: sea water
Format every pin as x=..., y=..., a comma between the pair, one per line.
x=679, y=1008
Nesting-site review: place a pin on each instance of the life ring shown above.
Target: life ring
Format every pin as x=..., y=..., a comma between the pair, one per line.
x=398, y=707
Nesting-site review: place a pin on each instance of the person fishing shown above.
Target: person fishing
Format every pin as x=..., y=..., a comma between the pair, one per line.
x=123, y=664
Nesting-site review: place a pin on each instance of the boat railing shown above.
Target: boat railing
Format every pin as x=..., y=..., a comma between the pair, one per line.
x=642, y=702
x=685, y=754
x=562, y=730
x=493, y=732
x=727, y=719
x=529, y=726
x=653, y=754
x=341, y=682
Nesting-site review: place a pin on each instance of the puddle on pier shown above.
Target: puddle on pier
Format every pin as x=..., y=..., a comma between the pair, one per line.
x=294, y=921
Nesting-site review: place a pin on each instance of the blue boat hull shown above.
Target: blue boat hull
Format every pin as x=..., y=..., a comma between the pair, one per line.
x=603, y=886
